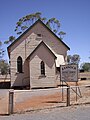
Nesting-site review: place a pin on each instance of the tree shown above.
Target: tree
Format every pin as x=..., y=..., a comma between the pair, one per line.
x=25, y=22
x=11, y=39
x=61, y=34
x=74, y=59
x=69, y=59
x=1, y=50
x=85, y=66
x=4, y=67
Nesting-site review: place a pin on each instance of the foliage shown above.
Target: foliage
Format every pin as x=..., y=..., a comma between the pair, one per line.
x=61, y=34
x=85, y=66
x=25, y=22
x=4, y=67
x=1, y=50
x=11, y=39
x=75, y=59
x=69, y=59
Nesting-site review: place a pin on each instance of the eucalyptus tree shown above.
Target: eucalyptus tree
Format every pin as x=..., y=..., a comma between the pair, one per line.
x=10, y=40
x=4, y=67
x=61, y=34
x=85, y=66
x=73, y=59
x=30, y=19
x=26, y=21
x=69, y=59
x=1, y=50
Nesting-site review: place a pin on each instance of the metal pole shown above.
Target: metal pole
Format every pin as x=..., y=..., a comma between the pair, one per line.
x=76, y=91
x=11, y=95
x=68, y=96
x=79, y=92
x=62, y=92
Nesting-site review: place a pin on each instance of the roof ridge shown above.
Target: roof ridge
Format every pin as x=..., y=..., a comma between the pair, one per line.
x=30, y=28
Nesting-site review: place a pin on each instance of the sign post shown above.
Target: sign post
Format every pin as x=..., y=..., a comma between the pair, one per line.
x=69, y=73
x=68, y=96
x=11, y=97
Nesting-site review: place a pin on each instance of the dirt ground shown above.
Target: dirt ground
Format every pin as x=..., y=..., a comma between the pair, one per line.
x=55, y=99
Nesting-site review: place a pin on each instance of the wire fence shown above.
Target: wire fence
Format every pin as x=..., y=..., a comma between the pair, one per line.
x=29, y=100
x=17, y=101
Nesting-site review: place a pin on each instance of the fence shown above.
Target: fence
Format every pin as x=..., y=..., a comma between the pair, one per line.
x=4, y=100
x=4, y=81
x=48, y=98
x=4, y=78
x=84, y=75
x=15, y=101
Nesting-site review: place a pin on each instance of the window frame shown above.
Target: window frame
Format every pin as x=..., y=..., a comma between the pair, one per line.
x=19, y=65
x=42, y=66
x=39, y=35
x=57, y=70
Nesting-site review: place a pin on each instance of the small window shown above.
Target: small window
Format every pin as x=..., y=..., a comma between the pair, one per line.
x=57, y=70
x=42, y=68
x=39, y=35
x=19, y=64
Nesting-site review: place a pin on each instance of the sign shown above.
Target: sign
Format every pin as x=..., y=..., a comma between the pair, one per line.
x=69, y=73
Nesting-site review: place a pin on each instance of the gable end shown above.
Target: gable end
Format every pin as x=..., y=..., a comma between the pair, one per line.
x=8, y=48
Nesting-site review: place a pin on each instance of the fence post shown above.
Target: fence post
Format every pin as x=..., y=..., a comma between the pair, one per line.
x=68, y=96
x=11, y=97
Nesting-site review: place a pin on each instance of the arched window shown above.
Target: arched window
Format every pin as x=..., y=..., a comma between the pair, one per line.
x=19, y=64
x=42, y=68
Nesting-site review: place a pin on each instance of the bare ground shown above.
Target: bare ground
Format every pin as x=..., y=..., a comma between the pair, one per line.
x=54, y=99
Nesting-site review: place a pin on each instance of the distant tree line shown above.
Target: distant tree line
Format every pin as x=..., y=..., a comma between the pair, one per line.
x=75, y=59
x=85, y=66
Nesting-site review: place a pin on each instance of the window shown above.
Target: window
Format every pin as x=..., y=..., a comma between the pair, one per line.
x=39, y=35
x=42, y=68
x=58, y=70
x=19, y=64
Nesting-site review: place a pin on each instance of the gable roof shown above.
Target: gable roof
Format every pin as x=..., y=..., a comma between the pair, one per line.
x=33, y=26
x=42, y=43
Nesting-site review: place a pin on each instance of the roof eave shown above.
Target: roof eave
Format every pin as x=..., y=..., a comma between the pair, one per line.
x=30, y=28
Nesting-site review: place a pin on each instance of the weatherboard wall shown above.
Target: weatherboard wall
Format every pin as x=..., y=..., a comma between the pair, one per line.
x=36, y=79
x=24, y=47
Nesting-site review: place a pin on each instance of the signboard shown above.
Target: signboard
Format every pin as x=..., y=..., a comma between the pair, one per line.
x=69, y=73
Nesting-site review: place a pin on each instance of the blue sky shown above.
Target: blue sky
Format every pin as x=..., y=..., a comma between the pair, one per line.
x=74, y=16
